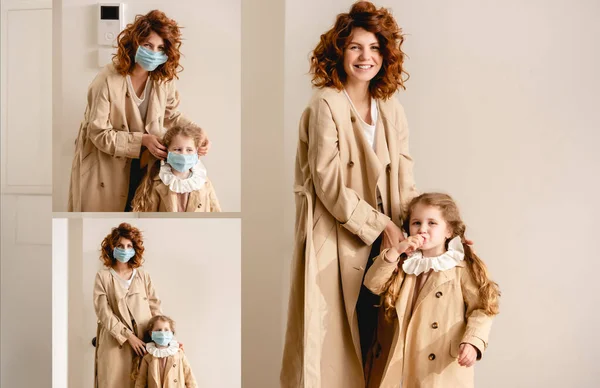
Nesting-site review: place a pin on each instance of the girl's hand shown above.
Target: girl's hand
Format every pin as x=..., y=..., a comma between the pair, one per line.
x=467, y=355
x=138, y=346
x=411, y=244
x=392, y=235
x=154, y=146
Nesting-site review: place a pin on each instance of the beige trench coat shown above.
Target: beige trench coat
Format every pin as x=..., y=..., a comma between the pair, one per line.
x=427, y=338
x=337, y=173
x=120, y=312
x=110, y=136
x=178, y=373
x=203, y=200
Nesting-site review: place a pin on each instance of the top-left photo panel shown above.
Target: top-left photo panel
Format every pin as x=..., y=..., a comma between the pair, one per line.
x=146, y=106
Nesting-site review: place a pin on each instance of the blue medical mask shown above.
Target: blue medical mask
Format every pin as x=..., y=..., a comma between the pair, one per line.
x=148, y=59
x=162, y=338
x=123, y=255
x=181, y=162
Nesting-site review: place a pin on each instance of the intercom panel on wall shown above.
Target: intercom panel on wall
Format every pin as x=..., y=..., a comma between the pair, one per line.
x=111, y=21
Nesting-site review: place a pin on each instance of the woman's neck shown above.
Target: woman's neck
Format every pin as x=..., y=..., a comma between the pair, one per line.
x=122, y=268
x=138, y=73
x=358, y=93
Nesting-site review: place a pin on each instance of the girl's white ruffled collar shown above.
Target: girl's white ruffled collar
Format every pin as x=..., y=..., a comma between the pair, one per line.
x=194, y=182
x=171, y=350
x=417, y=264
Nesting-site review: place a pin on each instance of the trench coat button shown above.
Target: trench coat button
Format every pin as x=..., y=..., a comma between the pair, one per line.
x=434, y=325
x=175, y=380
x=350, y=164
x=145, y=298
x=123, y=126
x=101, y=184
x=431, y=357
x=438, y=294
x=174, y=365
x=353, y=119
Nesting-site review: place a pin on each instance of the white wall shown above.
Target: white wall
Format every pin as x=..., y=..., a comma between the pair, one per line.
x=25, y=265
x=502, y=106
x=209, y=85
x=196, y=270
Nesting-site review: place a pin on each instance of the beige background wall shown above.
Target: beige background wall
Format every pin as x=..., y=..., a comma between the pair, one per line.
x=195, y=269
x=209, y=86
x=502, y=105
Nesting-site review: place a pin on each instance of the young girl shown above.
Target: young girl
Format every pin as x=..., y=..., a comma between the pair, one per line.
x=180, y=184
x=441, y=295
x=165, y=364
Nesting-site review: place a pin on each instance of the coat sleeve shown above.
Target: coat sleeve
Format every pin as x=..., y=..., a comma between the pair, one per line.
x=153, y=300
x=142, y=376
x=190, y=380
x=406, y=182
x=344, y=204
x=100, y=130
x=380, y=273
x=173, y=117
x=478, y=322
x=214, y=201
x=105, y=314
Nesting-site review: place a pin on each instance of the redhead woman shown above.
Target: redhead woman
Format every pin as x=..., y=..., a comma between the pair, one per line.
x=124, y=300
x=354, y=177
x=130, y=105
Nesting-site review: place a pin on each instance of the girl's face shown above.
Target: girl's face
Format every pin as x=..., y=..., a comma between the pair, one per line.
x=183, y=145
x=362, y=57
x=161, y=326
x=428, y=222
x=154, y=43
x=124, y=243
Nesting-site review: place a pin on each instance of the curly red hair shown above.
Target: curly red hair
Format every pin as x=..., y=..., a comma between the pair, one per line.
x=327, y=65
x=136, y=34
x=109, y=243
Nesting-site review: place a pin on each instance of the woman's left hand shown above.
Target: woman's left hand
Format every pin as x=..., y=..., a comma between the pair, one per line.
x=180, y=344
x=204, y=147
x=392, y=235
x=467, y=355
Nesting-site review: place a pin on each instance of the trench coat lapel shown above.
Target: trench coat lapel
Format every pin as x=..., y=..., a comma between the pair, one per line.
x=194, y=199
x=153, y=115
x=132, y=111
x=381, y=143
x=121, y=294
x=372, y=164
x=435, y=280
x=165, y=195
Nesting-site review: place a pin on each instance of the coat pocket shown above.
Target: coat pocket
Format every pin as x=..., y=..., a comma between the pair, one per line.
x=321, y=230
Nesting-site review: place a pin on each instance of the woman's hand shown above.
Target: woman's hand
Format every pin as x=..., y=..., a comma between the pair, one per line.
x=392, y=235
x=204, y=147
x=467, y=355
x=181, y=347
x=138, y=346
x=154, y=146
x=411, y=244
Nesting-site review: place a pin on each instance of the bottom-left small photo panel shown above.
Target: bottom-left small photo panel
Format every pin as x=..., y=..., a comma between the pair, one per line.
x=144, y=302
